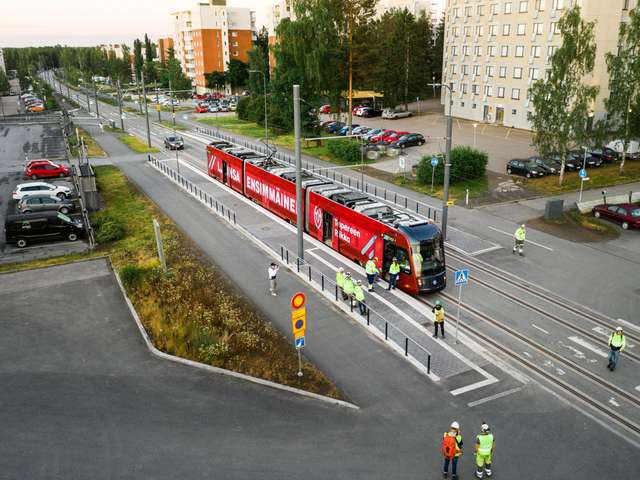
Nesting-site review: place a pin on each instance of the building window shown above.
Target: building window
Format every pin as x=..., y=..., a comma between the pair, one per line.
x=535, y=51
x=476, y=69
x=467, y=32
x=507, y=7
x=517, y=72
x=475, y=89
x=540, y=5
x=453, y=69
x=500, y=92
x=465, y=88
x=473, y=106
x=488, y=90
x=504, y=51
x=478, y=50
x=524, y=6
x=534, y=73
x=235, y=53
x=465, y=50
x=538, y=28
x=520, y=51
x=503, y=72
x=480, y=30
x=234, y=34
x=558, y=4
x=480, y=9
x=456, y=31
x=494, y=9
x=462, y=104
x=491, y=70
x=506, y=29
x=492, y=50
x=468, y=11
x=626, y=5
x=514, y=112
x=551, y=49
x=522, y=28
x=493, y=30
x=454, y=50
x=515, y=94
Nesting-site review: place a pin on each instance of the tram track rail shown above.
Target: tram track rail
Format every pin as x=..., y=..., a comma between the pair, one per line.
x=546, y=296
x=552, y=378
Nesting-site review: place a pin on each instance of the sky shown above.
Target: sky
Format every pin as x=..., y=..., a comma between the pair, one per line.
x=93, y=22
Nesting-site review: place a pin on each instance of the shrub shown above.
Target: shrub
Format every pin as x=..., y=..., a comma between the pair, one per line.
x=108, y=229
x=131, y=275
x=345, y=150
x=466, y=164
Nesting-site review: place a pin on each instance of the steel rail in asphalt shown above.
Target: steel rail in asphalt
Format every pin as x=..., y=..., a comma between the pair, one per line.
x=530, y=364
x=544, y=294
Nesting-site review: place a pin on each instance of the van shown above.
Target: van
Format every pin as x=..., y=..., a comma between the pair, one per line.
x=27, y=228
x=633, y=148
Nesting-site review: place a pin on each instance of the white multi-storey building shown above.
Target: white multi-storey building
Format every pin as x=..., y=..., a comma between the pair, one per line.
x=3, y=67
x=209, y=35
x=495, y=49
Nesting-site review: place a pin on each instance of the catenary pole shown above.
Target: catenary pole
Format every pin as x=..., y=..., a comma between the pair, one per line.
x=298, y=136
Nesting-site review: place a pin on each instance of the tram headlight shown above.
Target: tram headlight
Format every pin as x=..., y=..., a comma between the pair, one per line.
x=419, y=282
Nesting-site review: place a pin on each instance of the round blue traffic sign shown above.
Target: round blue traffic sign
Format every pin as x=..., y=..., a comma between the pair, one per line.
x=583, y=173
x=434, y=161
x=299, y=324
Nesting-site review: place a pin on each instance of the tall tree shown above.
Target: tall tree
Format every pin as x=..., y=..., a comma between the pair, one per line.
x=624, y=82
x=138, y=60
x=438, y=51
x=216, y=80
x=4, y=83
x=562, y=100
x=237, y=73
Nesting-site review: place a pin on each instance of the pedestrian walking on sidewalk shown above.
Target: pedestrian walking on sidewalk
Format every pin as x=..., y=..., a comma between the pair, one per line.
x=358, y=294
x=451, y=450
x=371, y=267
x=348, y=288
x=340, y=282
x=438, y=318
x=485, y=446
x=394, y=273
x=617, y=342
x=273, y=273
x=519, y=237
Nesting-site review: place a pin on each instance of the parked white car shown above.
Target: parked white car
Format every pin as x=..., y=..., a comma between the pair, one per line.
x=633, y=149
x=391, y=114
x=40, y=188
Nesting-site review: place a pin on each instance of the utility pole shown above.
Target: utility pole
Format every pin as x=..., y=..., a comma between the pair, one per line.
x=298, y=137
x=447, y=160
x=146, y=109
x=350, y=114
x=95, y=95
x=120, y=106
x=139, y=96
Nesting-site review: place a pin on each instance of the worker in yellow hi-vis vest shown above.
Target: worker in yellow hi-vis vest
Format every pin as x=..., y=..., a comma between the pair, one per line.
x=438, y=318
x=485, y=445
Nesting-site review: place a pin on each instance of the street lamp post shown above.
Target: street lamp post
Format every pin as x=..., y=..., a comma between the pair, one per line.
x=475, y=128
x=447, y=161
x=264, y=83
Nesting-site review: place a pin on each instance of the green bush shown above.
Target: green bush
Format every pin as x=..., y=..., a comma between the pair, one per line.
x=346, y=150
x=132, y=275
x=466, y=164
x=108, y=229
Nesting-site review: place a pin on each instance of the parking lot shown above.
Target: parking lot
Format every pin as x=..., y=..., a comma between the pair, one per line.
x=501, y=143
x=21, y=142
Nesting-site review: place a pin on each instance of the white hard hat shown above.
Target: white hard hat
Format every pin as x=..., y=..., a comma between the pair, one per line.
x=485, y=427
x=455, y=425
x=341, y=269
x=523, y=225
x=619, y=329
x=359, y=282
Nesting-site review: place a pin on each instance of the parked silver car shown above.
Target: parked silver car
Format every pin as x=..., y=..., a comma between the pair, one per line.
x=391, y=114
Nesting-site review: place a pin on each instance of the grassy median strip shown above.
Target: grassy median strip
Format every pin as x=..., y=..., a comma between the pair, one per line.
x=94, y=150
x=136, y=144
x=169, y=124
x=192, y=310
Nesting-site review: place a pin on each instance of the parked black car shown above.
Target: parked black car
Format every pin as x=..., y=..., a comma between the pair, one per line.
x=576, y=159
x=173, y=143
x=45, y=203
x=371, y=112
x=526, y=168
x=27, y=228
x=413, y=139
x=608, y=155
x=551, y=165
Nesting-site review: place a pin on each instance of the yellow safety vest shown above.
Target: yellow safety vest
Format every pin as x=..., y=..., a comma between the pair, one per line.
x=359, y=293
x=349, y=286
x=520, y=234
x=340, y=279
x=439, y=314
x=617, y=341
x=371, y=268
x=485, y=443
x=394, y=269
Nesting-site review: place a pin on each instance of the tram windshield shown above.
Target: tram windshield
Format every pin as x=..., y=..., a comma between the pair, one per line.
x=428, y=256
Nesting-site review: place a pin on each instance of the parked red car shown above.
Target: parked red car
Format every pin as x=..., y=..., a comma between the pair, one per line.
x=627, y=214
x=380, y=136
x=33, y=161
x=325, y=109
x=198, y=96
x=202, y=109
x=392, y=137
x=46, y=169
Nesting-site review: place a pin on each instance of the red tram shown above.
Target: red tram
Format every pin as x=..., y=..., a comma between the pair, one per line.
x=351, y=222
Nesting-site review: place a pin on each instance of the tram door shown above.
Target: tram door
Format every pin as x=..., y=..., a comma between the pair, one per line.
x=224, y=172
x=389, y=251
x=327, y=227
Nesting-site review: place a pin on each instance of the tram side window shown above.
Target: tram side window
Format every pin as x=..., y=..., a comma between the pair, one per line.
x=403, y=260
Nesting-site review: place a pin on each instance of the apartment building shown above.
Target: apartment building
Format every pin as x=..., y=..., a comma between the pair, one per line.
x=113, y=49
x=496, y=49
x=209, y=35
x=3, y=67
x=164, y=46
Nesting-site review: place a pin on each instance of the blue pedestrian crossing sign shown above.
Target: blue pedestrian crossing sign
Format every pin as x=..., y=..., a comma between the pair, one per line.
x=434, y=162
x=462, y=277
x=583, y=173
x=300, y=342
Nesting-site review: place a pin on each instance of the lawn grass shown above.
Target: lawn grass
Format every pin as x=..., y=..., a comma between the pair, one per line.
x=136, y=144
x=233, y=124
x=94, y=150
x=169, y=124
x=190, y=310
x=131, y=110
x=604, y=176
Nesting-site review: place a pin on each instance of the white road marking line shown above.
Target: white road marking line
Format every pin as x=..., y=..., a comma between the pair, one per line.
x=538, y=328
x=527, y=241
x=613, y=402
x=485, y=250
x=588, y=346
x=601, y=330
x=473, y=386
x=638, y=388
x=628, y=324
x=493, y=397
